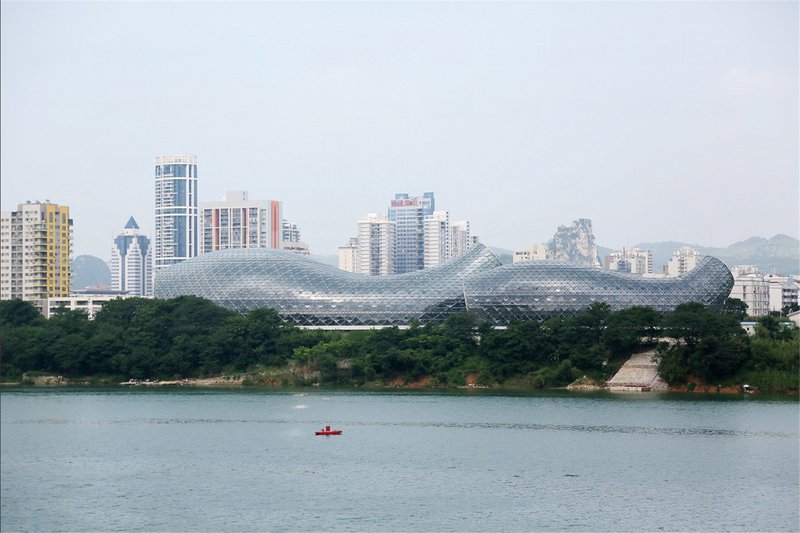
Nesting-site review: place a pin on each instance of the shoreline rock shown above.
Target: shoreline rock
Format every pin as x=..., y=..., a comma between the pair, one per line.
x=219, y=381
x=585, y=384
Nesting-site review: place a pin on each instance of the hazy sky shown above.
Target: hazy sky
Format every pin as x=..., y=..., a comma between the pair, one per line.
x=657, y=120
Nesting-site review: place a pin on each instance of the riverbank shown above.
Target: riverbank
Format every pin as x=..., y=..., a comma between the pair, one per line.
x=42, y=380
x=218, y=381
x=243, y=381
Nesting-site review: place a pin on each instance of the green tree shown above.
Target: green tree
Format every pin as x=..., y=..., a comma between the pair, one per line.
x=593, y=322
x=463, y=329
x=120, y=312
x=791, y=308
x=21, y=331
x=628, y=330
x=227, y=345
x=735, y=308
x=708, y=345
x=66, y=349
x=516, y=350
x=23, y=348
x=103, y=348
x=772, y=327
x=15, y=313
x=264, y=328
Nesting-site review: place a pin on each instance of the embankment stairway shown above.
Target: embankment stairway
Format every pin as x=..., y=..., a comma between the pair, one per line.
x=639, y=373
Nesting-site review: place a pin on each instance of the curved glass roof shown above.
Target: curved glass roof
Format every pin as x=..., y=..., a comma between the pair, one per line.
x=306, y=292
x=538, y=290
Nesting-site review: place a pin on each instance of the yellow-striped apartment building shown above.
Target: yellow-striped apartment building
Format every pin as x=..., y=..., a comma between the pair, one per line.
x=35, y=252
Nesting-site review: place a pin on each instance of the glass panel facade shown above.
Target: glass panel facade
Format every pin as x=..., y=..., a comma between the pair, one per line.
x=538, y=290
x=181, y=197
x=305, y=292
x=176, y=234
x=309, y=293
x=175, y=171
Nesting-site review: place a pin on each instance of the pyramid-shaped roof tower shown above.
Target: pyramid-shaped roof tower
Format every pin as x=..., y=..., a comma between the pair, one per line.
x=131, y=224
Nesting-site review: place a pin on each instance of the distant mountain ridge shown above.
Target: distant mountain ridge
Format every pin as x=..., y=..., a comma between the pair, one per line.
x=89, y=271
x=779, y=254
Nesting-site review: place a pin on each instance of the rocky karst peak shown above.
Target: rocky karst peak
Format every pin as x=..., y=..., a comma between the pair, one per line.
x=575, y=244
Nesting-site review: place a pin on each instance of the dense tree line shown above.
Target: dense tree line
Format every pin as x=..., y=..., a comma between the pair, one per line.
x=191, y=337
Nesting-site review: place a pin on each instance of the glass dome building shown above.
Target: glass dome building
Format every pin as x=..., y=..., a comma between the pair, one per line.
x=308, y=293
x=538, y=290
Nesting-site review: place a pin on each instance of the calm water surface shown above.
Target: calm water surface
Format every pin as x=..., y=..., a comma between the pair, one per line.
x=178, y=460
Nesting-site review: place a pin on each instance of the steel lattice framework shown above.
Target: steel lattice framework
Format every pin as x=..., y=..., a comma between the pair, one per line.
x=308, y=293
x=538, y=290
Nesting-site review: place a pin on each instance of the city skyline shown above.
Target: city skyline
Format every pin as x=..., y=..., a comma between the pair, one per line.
x=658, y=121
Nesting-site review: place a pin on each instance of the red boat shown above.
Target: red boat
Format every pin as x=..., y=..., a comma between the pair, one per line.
x=328, y=431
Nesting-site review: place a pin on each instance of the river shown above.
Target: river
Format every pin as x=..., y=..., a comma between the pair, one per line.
x=248, y=460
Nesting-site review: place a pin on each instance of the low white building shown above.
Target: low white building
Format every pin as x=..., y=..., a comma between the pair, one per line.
x=631, y=260
x=292, y=241
x=88, y=302
x=535, y=252
x=299, y=248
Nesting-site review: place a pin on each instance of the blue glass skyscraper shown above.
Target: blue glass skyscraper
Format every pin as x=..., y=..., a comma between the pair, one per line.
x=408, y=214
x=176, y=235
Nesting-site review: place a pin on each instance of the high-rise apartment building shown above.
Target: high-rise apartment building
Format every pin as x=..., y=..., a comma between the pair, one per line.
x=750, y=287
x=176, y=237
x=376, y=245
x=436, y=242
x=348, y=255
x=683, y=260
x=131, y=262
x=460, y=239
x=631, y=260
x=35, y=252
x=413, y=236
x=238, y=222
x=408, y=214
x=7, y=259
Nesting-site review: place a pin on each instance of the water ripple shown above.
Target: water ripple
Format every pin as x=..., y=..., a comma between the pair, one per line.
x=576, y=428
